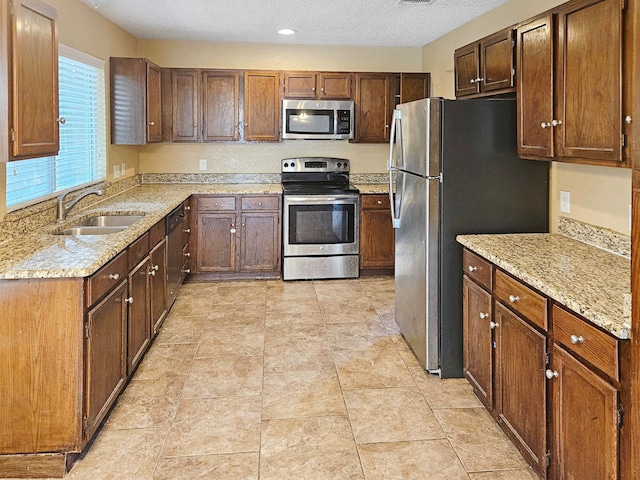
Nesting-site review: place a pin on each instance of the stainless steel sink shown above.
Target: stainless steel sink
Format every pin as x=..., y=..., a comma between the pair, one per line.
x=101, y=225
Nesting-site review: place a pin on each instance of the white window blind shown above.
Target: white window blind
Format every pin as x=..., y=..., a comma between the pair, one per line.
x=82, y=157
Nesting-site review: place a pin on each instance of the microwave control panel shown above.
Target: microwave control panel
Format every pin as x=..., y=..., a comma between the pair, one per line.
x=344, y=121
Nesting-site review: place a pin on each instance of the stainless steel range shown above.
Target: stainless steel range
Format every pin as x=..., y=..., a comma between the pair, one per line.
x=321, y=220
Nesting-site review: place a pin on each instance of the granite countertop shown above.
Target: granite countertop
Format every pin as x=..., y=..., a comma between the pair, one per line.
x=368, y=188
x=40, y=254
x=588, y=280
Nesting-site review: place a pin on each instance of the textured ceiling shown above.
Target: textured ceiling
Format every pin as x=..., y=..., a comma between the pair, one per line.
x=317, y=22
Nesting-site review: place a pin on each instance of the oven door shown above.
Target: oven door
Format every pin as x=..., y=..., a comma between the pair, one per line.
x=321, y=225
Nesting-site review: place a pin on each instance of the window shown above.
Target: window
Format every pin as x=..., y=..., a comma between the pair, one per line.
x=81, y=160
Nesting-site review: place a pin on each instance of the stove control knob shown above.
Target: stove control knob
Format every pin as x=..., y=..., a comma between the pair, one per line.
x=286, y=165
x=339, y=165
x=293, y=164
x=345, y=165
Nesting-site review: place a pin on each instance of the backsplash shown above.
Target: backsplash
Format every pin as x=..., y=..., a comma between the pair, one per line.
x=597, y=236
x=210, y=177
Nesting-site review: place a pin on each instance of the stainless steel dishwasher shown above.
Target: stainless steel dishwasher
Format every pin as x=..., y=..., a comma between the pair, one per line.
x=175, y=255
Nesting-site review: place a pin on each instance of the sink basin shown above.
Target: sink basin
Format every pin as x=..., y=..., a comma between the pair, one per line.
x=90, y=230
x=110, y=221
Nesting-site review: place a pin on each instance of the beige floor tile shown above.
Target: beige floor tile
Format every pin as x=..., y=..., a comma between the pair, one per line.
x=444, y=393
x=120, y=455
x=178, y=329
x=409, y=358
x=525, y=474
x=224, y=376
x=199, y=289
x=391, y=415
x=193, y=306
x=234, y=314
x=166, y=359
x=244, y=293
x=419, y=460
x=302, y=394
x=244, y=340
x=236, y=466
x=379, y=366
x=147, y=403
x=308, y=448
x=215, y=425
x=471, y=431
x=355, y=336
x=291, y=327
x=276, y=317
x=350, y=312
x=287, y=354
x=300, y=308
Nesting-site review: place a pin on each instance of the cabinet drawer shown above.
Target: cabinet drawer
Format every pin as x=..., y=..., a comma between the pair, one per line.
x=521, y=298
x=375, y=202
x=477, y=268
x=595, y=346
x=260, y=203
x=216, y=203
x=156, y=233
x=106, y=278
x=138, y=250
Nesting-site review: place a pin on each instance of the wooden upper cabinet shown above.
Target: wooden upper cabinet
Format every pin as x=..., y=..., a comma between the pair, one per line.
x=34, y=128
x=373, y=107
x=220, y=105
x=262, y=106
x=485, y=66
x=317, y=85
x=413, y=86
x=184, y=105
x=136, y=109
x=570, y=101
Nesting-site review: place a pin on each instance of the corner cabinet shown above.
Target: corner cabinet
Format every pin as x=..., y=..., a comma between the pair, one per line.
x=136, y=101
x=262, y=106
x=570, y=88
x=33, y=61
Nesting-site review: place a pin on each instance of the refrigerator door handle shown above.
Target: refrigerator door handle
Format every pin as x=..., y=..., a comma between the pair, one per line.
x=394, y=220
x=395, y=118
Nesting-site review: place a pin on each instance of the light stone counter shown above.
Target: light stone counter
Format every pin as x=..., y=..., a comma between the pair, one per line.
x=40, y=254
x=379, y=188
x=588, y=280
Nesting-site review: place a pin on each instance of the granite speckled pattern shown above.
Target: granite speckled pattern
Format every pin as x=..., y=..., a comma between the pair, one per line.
x=588, y=280
x=600, y=237
x=224, y=178
x=372, y=188
x=40, y=254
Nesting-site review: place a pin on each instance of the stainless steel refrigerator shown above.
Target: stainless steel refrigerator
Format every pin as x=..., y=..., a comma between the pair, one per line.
x=453, y=170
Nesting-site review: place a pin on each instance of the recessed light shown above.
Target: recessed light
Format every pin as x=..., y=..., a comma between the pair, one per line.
x=286, y=31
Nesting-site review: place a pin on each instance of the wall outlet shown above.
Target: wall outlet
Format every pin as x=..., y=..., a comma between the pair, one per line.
x=116, y=171
x=565, y=202
x=202, y=164
x=123, y=169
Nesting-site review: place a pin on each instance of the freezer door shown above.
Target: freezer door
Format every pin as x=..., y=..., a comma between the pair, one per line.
x=419, y=126
x=416, y=268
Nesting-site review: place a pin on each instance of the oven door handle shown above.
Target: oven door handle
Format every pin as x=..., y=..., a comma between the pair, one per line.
x=320, y=199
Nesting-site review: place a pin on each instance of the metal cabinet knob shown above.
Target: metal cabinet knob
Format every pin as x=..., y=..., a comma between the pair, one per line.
x=576, y=339
x=493, y=325
x=151, y=124
x=156, y=267
x=514, y=298
x=322, y=89
x=545, y=124
x=195, y=125
x=61, y=120
x=129, y=300
x=259, y=204
x=187, y=230
x=242, y=225
x=379, y=202
x=186, y=270
x=472, y=81
x=628, y=119
x=187, y=208
x=551, y=374
x=472, y=268
x=233, y=230
x=187, y=254
x=555, y=123
x=484, y=315
x=313, y=89
x=152, y=272
x=114, y=276
x=246, y=124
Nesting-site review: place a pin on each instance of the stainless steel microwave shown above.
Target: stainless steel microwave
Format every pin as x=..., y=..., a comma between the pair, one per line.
x=317, y=119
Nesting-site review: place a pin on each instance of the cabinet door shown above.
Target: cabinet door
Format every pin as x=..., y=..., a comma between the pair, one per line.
x=414, y=86
x=262, y=106
x=105, y=356
x=496, y=57
x=589, y=82
x=334, y=86
x=520, y=385
x=158, y=285
x=139, y=318
x=154, y=103
x=184, y=86
x=220, y=105
x=299, y=84
x=34, y=89
x=259, y=242
x=467, y=70
x=585, y=427
x=373, y=107
x=377, y=238
x=534, y=72
x=216, y=242
x=478, y=343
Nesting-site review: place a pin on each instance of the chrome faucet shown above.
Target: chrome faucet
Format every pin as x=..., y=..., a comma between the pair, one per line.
x=62, y=210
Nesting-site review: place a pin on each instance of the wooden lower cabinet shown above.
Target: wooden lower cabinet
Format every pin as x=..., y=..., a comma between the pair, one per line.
x=377, y=238
x=158, y=285
x=105, y=357
x=139, y=315
x=237, y=234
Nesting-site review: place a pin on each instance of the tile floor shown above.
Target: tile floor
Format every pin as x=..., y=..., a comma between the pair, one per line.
x=276, y=380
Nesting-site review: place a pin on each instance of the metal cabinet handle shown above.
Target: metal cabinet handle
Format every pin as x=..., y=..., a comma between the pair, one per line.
x=493, y=325
x=152, y=272
x=551, y=374
x=484, y=315
x=129, y=300
x=61, y=120
x=156, y=267
x=151, y=124
x=555, y=123
x=187, y=254
x=545, y=124
x=514, y=298
x=114, y=276
x=576, y=339
x=186, y=270
x=187, y=230
x=472, y=268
